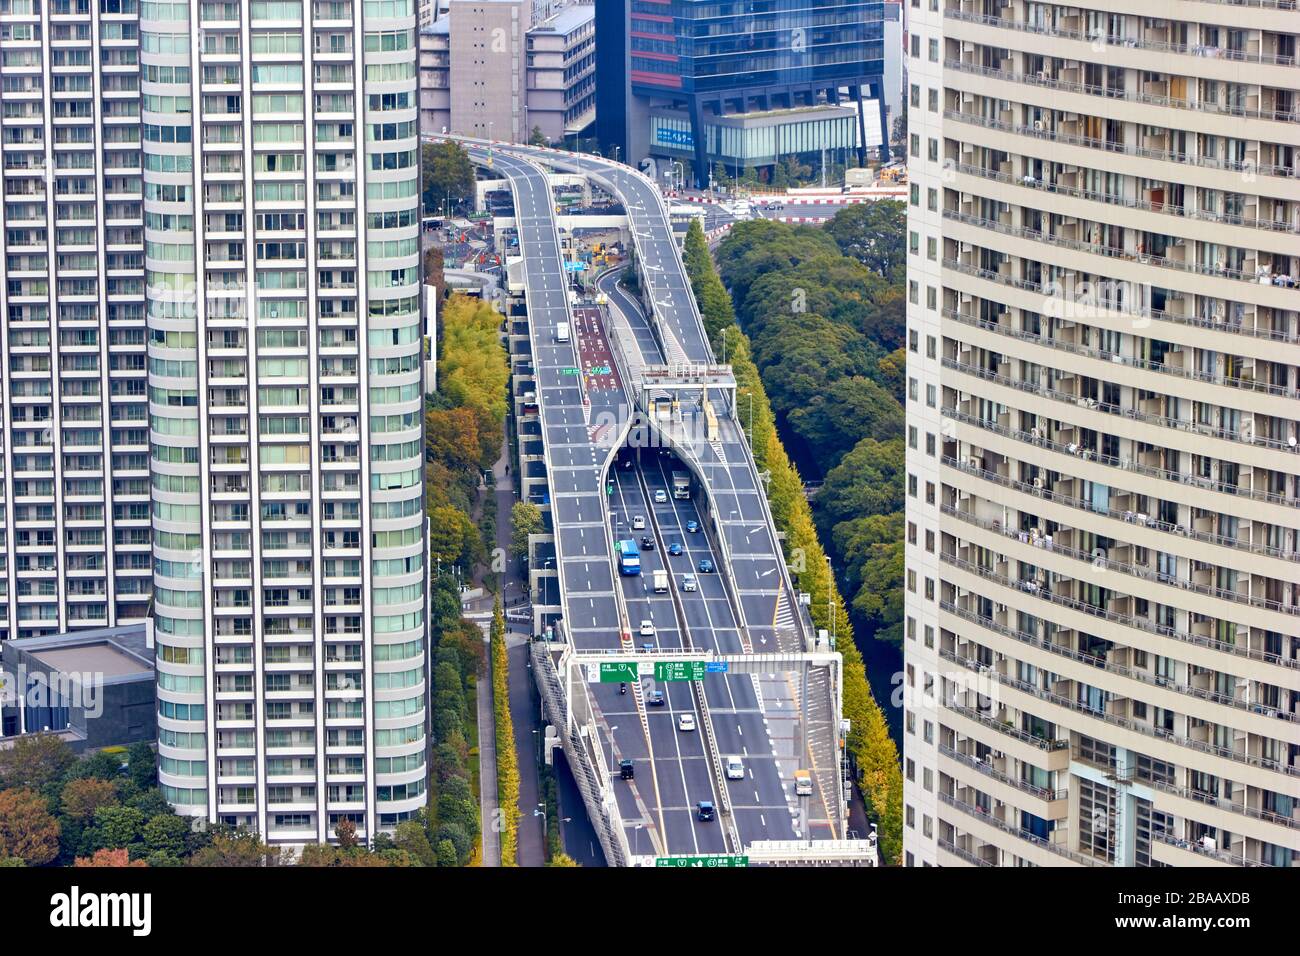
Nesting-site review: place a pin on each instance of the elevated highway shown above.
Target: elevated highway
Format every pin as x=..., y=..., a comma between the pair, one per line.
x=609, y=453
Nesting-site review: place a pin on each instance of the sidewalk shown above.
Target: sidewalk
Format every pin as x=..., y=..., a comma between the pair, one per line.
x=524, y=702
x=524, y=707
x=487, y=774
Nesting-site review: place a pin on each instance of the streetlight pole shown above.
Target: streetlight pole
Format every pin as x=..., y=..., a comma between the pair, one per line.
x=611, y=748
x=541, y=812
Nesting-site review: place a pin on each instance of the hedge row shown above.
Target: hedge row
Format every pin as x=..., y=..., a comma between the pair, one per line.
x=507, y=759
x=880, y=773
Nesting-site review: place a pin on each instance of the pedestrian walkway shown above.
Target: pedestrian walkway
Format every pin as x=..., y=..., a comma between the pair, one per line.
x=487, y=771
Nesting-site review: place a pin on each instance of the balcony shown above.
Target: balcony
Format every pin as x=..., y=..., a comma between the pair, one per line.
x=1088, y=142
x=1202, y=746
x=1125, y=464
x=1124, y=620
x=1098, y=561
x=1110, y=667
x=1137, y=43
x=1116, y=93
x=1113, y=252
x=1018, y=833
x=1133, y=414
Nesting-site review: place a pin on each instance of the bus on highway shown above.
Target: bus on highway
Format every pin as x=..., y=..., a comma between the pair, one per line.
x=629, y=557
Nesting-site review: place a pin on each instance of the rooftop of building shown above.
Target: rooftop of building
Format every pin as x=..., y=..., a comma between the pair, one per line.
x=114, y=654
x=568, y=19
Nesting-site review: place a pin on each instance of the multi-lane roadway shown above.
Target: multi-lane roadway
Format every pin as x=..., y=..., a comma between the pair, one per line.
x=584, y=403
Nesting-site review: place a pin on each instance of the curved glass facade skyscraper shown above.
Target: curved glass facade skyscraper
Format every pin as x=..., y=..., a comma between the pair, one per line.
x=281, y=191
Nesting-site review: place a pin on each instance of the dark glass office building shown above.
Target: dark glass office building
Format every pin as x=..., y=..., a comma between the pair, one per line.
x=741, y=82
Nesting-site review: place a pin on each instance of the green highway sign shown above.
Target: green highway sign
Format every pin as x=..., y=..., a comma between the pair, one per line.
x=619, y=672
x=704, y=861
x=569, y=371
x=679, y=670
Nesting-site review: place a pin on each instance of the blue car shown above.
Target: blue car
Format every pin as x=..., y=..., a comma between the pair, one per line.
x=706, y=566
x=675, y=548
x=692, y=526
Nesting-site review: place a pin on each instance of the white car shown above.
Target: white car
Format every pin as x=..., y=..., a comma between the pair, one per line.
x=686, y=722
x=647, y=628
x=689, y=583
x=638, y=523
x=735, y=769
x=661, y=497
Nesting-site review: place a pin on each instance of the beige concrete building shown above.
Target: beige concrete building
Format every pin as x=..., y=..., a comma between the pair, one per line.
x=1102, y=650
x=501, y=68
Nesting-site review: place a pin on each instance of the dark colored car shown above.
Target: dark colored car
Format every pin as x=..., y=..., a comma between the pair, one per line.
x=675, y=548
x=692, y=526
x=625, y=770
x=647, y=543
x=656, y=699
x=704, y=810
x=706, y=566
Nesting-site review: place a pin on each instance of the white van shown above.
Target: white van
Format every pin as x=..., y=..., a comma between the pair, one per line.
x=562, y=331
x=661, y=581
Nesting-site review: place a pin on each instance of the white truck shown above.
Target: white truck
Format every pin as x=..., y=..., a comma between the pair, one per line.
x=802, y=783
x=660, y=581
x=561, y=331
x=681, y=484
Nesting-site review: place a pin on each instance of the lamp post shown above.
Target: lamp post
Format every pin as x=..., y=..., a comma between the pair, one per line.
x=611, y=747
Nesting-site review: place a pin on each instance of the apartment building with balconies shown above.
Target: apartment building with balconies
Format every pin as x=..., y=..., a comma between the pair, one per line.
x=1102, y=636
x=281, y=191
x=74, y=494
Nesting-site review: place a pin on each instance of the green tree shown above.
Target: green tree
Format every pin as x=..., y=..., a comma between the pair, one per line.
x=537, y=137
x=141, y=765
x=164, y=835
x=525, y=519
x=117, y=827
x=447, y=855
x=448, y=176
x=875, y=234
x=868, y=481
x=412, y=837
x=35, y=760
x=871, y=546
